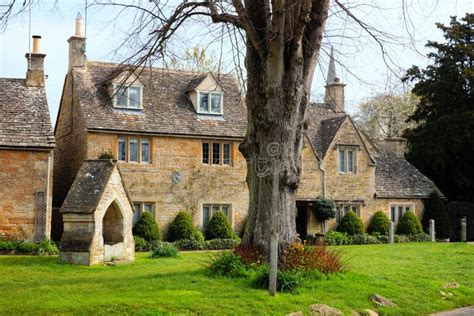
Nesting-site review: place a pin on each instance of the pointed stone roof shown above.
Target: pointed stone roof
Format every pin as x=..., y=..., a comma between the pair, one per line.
x=88, y=186
x=332, y=76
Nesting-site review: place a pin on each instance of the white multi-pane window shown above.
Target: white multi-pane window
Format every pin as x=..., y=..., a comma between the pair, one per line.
x=128, y=97
x=216, y=153
x=347, y=160
x=140, y=208
x=208, y=211
x=134, y=149
x=210, y=102
x=397, y=211
x=343, y=209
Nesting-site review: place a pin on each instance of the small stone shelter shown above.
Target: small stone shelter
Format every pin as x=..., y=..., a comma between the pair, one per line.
x=97, y=215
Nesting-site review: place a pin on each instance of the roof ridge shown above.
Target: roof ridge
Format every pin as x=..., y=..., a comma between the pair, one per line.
x=181, y=71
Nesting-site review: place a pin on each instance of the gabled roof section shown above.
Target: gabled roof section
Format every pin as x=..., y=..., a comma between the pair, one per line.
x=323, y=123
x=397, y=178
x=166, y=107
x=88, y=187
x=24, y=116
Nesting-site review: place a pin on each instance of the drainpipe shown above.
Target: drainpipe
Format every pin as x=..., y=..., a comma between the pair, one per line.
x=320, y=164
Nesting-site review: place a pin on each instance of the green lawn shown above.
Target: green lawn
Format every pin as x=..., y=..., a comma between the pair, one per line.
x=410, y=274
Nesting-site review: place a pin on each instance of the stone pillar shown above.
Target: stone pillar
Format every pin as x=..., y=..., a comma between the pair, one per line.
x=463, y=229
x=432, y=230
x=391, y=233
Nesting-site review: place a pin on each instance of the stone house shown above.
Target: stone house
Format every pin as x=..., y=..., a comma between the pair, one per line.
x=176, y=134
x=26, y=154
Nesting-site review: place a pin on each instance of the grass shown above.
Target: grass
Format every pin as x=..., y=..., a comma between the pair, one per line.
x=411, y=275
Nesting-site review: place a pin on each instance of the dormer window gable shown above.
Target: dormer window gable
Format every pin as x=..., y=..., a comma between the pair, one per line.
x=127, y=93
x=207, y=95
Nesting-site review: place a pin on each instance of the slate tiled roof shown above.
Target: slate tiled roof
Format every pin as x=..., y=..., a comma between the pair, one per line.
x=24, y=115
x=167, y=108
x=397, y=178
x=323, y=124
x=88, y=186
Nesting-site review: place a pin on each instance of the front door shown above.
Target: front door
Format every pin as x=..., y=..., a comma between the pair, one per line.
x=302, y=220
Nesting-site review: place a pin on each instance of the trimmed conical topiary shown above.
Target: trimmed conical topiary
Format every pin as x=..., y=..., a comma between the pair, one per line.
x=219, y=227
x=409, y=224
x=147, y=228
x=351, y=224
x=379, y=224
x=181, y=227
x=435, y=208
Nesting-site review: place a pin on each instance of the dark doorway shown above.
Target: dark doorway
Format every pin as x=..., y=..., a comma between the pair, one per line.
x=302, y=220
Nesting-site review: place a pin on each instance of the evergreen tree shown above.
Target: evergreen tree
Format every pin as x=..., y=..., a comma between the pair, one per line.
x=435, y=208
x=147, y=228
x=442, y=145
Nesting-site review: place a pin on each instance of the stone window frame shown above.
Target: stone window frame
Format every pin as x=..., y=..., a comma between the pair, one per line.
x=142, y=208
x=118, y=87
x=218, y=205
x=140, y=141
x=346, y=149
x=345, y=207
x=209, y=102
x=397, y=212
x=208, y=158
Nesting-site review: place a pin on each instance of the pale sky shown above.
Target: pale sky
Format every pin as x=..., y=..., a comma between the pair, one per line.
x=360, y=64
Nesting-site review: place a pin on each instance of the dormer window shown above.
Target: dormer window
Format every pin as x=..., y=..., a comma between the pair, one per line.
x=128, y=97
x=210, y=102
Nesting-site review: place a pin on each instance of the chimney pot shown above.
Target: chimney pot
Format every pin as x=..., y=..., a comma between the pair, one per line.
x=79, y=26
x=36, y=44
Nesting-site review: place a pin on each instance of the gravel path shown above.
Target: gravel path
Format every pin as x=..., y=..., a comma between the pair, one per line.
x=465, y=311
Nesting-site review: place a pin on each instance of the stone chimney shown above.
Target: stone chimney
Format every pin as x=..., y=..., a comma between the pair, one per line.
x=334, y=87
x=35, y=72
x=77, y=45
x=396, y=146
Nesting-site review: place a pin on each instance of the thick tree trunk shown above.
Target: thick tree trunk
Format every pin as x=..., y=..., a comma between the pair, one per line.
x=276, y=103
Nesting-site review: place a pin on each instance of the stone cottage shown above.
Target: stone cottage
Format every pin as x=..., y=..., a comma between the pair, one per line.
x=26, y=154
x=97, y=215
x=175, y=135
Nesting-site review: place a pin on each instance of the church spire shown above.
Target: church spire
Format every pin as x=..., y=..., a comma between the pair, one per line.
x=334, y=87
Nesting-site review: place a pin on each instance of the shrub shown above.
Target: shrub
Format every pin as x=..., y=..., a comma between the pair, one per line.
x=409, y=224
x=351, y=224
x=379, y=224
x=106, y=155
x=287, y=281
x=7, y=246
x=147, y=228
x=250, y=255
x=164, y=249
x=141, y=244
x=335, y=238
x=26, y=247
x=228, y=264
x=189, y=244
x=421, y=237
x=198, y=235
x=435, y=209
x=221, y=243
x=47, y=247
x=324, y=209
x=181, y=227
x=298, y=256
x=219, y=227
x=364, y=239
